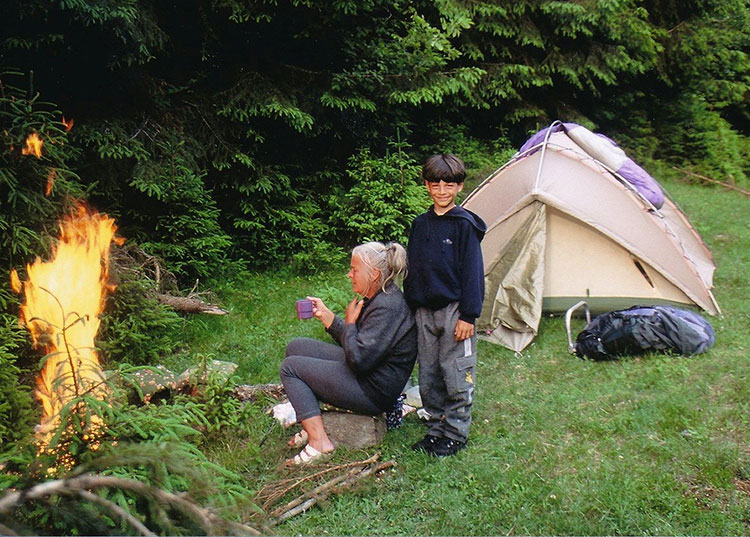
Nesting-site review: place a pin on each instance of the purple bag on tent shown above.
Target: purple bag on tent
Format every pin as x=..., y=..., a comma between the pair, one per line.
x=606, y=151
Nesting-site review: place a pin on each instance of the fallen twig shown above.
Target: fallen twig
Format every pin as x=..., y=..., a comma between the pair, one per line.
x=279, y=489
x=315, y=492
x=307, y=500
x=316, y=496
x=713, y=181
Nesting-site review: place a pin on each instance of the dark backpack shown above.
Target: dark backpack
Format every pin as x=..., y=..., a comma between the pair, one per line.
x=641, y=329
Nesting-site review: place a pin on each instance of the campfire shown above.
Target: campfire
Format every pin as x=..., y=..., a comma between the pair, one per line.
x=63, y=299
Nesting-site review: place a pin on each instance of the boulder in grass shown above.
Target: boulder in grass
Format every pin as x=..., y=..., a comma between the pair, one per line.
x=155, y=383
x=193, y=376
x=160, y=383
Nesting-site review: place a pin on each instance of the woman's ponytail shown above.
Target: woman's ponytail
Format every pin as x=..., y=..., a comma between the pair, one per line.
x=388, y=258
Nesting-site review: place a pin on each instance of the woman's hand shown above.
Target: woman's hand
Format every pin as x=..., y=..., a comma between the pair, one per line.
x=353, y=310
x=321, y=311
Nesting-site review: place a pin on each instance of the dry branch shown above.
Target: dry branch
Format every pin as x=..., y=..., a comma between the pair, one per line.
x=316, y=492
x=188, y=304
x=272, y=492
x=83, y=484
x=357, y=471
x=325, y=490
x=712, y=181
x=248, y=392
x=132, y=259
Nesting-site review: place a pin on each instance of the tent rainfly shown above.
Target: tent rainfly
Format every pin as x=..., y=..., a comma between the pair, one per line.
x=570, y=217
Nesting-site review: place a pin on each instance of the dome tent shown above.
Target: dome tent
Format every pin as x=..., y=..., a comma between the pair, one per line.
x=570, y=217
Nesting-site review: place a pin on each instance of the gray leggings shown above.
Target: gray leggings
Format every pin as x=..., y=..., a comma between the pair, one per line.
x=314, y=370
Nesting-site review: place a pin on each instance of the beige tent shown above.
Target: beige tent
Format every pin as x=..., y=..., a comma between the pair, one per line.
x=564, y=227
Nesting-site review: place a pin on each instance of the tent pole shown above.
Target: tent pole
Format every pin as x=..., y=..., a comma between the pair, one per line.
x=544, y=151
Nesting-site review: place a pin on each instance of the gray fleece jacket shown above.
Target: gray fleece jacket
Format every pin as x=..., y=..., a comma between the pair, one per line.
x=381, y=347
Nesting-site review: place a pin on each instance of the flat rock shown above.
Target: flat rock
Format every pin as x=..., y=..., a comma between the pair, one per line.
x=354, y=430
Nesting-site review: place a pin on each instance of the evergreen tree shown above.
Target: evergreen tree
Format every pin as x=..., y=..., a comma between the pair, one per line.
x=254, y=108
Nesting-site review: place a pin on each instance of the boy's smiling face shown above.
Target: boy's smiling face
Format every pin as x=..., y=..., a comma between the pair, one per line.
x=443, y=194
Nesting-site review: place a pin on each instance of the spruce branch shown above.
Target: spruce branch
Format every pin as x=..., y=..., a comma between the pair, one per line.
x=116, y=510
x=82, y=485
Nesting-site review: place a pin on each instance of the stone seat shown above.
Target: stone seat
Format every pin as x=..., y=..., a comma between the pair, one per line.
x=349, y=429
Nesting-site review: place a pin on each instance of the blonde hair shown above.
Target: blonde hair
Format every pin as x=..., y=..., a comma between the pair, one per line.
x=388, y=258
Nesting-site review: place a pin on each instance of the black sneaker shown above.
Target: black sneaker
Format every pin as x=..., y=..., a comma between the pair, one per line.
x=445, y=447
x=427, y=443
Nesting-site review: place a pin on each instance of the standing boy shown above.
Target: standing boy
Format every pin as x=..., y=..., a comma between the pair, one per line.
x=445, y=287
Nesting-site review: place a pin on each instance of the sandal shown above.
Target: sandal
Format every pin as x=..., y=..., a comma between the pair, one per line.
x=308, y=455
x=298, y=440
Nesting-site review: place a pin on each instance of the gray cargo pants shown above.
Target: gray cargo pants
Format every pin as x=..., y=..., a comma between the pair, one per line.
x=446, y=372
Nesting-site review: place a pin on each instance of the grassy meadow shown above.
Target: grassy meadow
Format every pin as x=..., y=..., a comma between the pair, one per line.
x=653, y=445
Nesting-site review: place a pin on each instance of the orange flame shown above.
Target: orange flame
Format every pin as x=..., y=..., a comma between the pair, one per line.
x=33, y=145
x=15, y=282
x=50, y=181
x=68, y=124
x=64, y=297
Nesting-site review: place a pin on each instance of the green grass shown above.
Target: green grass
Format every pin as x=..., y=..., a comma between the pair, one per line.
x=559, y=446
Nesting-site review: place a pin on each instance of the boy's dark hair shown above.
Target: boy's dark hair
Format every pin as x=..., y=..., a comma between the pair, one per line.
x=448, y=168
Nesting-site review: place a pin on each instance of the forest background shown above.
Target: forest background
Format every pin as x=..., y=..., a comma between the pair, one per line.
x=231, y=137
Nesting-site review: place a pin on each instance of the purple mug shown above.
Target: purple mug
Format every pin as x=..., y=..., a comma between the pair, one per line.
x=304, y=308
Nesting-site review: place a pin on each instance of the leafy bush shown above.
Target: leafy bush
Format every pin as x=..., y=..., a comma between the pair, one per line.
x=34, y=190
x=180, y=224
x=290, y=228
x=151, y=181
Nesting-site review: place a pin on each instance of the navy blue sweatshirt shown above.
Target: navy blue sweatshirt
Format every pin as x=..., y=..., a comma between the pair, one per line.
x=445, y=262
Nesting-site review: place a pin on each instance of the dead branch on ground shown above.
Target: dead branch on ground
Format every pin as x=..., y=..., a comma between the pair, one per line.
x=188, y=304
x=354, y=473
x=250, y=392
x=712, y=181
x=132, y=258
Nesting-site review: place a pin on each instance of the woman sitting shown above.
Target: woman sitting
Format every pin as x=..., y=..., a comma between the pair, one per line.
x=376, y=351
